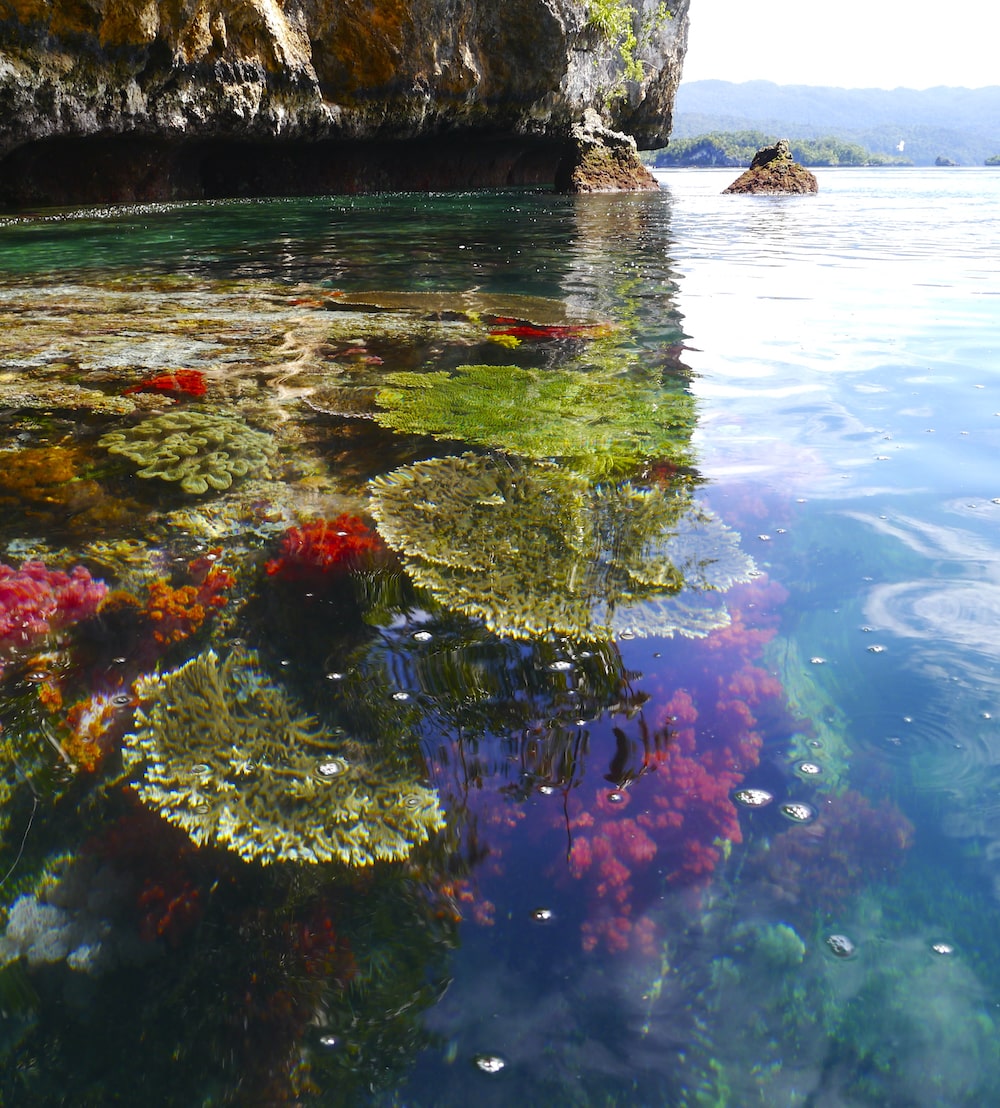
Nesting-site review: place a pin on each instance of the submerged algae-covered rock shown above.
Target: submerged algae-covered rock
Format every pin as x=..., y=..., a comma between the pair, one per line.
x=223, y=753
x=197, y=450
x=598, y=424
x=535, y=550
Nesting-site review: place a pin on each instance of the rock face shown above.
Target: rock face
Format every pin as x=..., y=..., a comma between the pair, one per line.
x=155, y=99
x=773, y=170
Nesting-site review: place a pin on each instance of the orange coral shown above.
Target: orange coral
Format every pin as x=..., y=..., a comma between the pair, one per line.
x=178, y=612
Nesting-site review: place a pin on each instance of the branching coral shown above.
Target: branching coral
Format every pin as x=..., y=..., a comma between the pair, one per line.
x=532, y=549
x=600, y=425
x=197, y=450
x=222, y=753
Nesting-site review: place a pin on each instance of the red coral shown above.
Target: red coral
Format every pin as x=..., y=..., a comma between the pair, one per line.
x=521, y=330
x=170, y=910
x=677, y=821
x=187, y=382
x=322, y=547
x=35, y=601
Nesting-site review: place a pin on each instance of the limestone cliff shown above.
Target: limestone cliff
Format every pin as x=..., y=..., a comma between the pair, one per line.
x=144, y=99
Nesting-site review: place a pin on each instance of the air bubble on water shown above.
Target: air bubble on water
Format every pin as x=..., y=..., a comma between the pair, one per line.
x=332, y=767
x=809, y=769
x=543, y=915
x=422, y=636
x=840, y=946
x=876, y=648
x=798, y=812
x=753, y=798
x=817, y=661
x=942, y=948
x=489, y=1063
x=560, y=666
x=400, y=695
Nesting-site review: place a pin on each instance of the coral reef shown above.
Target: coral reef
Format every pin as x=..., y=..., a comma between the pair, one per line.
x=36, y=602
x=705, y=738
x=599, y=425
x=219, y=751
x=321, y=547
x=60, y=396
x=195, y=450
x=534, y=550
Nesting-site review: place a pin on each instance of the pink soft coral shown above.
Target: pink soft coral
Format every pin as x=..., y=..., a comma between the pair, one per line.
x=36, y=601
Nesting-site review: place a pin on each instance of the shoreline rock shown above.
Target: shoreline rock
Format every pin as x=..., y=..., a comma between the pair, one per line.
x=771, y=171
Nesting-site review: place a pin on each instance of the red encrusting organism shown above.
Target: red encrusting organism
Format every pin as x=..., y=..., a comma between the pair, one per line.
x=185, y=382
x=322, y=547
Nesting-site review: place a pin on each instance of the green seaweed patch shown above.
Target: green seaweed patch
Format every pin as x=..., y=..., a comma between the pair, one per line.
x=221, y=752
x=600, y=425
x=196, y=450
x=531, y=549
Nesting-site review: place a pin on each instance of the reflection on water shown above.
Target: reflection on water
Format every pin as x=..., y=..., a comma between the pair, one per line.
x=400, y=599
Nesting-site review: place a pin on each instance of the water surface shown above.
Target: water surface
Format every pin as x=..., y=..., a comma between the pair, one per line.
x=635, y=560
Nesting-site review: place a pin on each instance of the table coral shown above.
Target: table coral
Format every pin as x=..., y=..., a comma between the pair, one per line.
x=195, y=450
x=221, y=752
x=535, y=550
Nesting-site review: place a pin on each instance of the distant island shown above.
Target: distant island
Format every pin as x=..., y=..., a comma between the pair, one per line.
x=899, y=126
x=736, y=148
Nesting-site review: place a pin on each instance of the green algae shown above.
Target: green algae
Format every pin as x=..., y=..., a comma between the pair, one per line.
x=599, y=425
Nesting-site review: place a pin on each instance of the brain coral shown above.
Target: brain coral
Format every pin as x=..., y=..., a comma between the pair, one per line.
x=221, y=752
x=197, y=450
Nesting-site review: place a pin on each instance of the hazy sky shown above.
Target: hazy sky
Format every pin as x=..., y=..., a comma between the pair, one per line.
x=875, y=44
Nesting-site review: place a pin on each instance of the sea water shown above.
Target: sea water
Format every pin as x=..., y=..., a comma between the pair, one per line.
x=718, y=817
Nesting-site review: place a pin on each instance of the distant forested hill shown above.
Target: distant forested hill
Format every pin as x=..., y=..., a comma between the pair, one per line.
x=962, y=125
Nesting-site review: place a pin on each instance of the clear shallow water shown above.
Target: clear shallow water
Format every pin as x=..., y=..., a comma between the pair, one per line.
x=599, y=920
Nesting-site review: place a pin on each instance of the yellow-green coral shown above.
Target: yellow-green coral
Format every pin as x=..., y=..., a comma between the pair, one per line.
x=599, y=424
x=221, y=752
x=197, y=450
x=534, y=550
